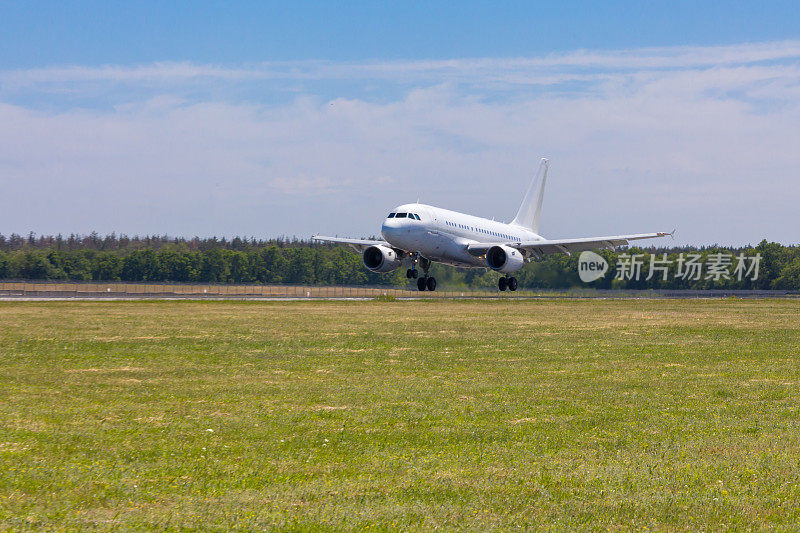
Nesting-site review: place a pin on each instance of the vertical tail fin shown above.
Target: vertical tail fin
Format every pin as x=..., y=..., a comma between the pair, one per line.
x=531, y=208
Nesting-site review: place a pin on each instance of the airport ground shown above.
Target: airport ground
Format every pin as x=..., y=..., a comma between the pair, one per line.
x=478, y=415
x=99, y=290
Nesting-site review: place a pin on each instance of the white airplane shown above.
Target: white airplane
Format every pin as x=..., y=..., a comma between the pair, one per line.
x=427, y=234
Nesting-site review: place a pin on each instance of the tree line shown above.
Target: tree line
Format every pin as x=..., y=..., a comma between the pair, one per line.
x=294, y=261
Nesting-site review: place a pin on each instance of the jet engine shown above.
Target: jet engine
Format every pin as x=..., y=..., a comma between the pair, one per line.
x=381, y=259
x=504, y=259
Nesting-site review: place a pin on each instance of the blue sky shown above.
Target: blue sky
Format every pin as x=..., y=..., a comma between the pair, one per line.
x=294, y=118
x=43, y=33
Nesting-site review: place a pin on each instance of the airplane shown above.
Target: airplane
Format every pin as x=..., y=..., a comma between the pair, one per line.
x=427, y=234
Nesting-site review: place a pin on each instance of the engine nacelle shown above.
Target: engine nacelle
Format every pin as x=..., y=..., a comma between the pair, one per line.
x=381, y=259
x=504, y=259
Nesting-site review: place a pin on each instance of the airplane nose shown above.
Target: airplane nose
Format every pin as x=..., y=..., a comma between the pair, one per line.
x=386, y=229
x=391, y=223
x=390, y=227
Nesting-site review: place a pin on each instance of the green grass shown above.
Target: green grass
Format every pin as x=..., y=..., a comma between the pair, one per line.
x=470, y=415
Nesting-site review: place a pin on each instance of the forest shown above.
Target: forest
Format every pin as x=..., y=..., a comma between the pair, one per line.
x=768, y=265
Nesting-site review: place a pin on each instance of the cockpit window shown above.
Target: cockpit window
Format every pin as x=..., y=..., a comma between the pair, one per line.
x=391, y=215
x=400, y=215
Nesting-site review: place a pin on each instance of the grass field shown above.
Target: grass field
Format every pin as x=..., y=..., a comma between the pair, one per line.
x=550, y=414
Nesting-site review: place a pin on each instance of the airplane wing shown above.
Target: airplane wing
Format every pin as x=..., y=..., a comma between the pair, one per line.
x=566, y=246
x=359, y=245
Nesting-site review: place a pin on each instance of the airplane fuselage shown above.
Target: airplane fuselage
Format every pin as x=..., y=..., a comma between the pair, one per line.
x=442, y=235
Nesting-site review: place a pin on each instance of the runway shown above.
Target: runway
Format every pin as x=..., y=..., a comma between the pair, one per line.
x=109, y=291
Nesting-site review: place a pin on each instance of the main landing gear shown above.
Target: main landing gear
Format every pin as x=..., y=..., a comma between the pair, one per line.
x=425, y=282
x=509, y=283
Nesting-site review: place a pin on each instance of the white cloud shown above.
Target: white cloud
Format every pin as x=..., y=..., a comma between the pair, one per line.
x=545, y=69
x=702, y=139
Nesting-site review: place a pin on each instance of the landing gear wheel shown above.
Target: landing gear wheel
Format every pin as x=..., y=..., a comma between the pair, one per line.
x=422, y=283
x=409, y=273
x=502, y=284
x=512, y=284
x=431, y=284
x=414, y=273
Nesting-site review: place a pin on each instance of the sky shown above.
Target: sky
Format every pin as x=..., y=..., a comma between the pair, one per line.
x=293, y=118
